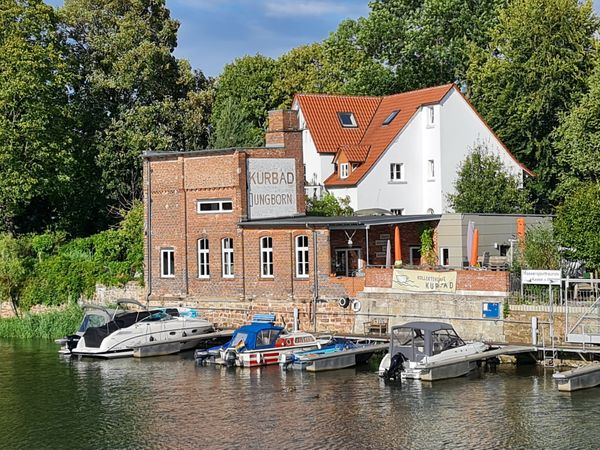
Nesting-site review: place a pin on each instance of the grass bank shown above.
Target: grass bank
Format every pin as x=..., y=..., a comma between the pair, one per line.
x=49, y=325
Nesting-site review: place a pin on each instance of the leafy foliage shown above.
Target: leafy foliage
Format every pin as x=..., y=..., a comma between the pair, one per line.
x=49, y=325
x=35, y=138
x=13, y=269
x=233, y=128
x=577, y=141
x=578, y=221
x=535, y=67
x=485, y=186
x=428, y=247
x=540, y=250
x=245, y=83
x=60, y=274
x=328, y=205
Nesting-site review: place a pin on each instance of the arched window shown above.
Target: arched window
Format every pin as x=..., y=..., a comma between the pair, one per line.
x=203, y=259
x=266, y=257
x=302, y=256
x=227, y=257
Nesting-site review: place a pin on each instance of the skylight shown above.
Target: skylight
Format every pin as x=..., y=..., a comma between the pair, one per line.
x=391, y=117
x=347, y=119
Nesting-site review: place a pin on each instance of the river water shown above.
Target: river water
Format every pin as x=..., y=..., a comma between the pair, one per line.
x=52, y=402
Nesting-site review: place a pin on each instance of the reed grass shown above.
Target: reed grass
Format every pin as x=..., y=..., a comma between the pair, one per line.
x=49, y=325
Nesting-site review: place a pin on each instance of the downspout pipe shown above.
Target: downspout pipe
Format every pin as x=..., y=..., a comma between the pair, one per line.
x=149, y=229
x=316, y=278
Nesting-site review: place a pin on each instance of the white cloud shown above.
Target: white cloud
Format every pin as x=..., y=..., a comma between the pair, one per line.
x=287, y=8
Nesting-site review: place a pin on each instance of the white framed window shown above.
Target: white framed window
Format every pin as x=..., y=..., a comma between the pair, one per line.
x=445, y=256
x=302, y=256
x=344, y=170
x=227, y=257
x=431, y=169
x=167, y=263
x=266, y=257
x=415, y=255
x=397, y=211
x=203, y=259
x=430, y=112
x=214, y=206
x=347, y=119
x=396, y=172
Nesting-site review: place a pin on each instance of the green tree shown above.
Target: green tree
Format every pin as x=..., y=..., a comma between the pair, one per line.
x=484, y=185
x=540, y=250
x=247, y=83
x=35, y=127
x=13, y=270
x=578, y=221
x=132, y=94
x=535, y=67
x=328, y=205
x=233, y=128
x=577, y=141
x=420, y=43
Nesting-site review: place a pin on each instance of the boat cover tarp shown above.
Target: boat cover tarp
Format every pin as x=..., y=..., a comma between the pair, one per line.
x=95, y=335
x=250, y=333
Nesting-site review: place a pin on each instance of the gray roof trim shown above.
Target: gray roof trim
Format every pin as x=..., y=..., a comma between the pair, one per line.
x=205, y=152
x=338, y=222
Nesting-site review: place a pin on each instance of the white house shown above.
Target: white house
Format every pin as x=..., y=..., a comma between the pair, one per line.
x=400, y=152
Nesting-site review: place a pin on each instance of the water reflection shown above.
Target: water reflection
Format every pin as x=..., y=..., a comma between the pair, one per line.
x=169, y=402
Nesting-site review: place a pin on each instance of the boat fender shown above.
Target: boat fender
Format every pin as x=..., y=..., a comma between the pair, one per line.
x=356, y=305
x=280, y=342
x=344, y=302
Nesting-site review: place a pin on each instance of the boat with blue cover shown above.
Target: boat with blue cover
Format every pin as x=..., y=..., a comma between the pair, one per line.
x=259, y=343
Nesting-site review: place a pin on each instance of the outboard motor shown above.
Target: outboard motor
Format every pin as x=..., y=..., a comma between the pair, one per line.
x=201, y=355
x=396, y=367
x=72, y=341
x=230, y=358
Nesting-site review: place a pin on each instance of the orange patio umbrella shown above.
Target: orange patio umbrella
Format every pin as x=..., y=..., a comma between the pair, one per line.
x=474, y=248
x=397, y=246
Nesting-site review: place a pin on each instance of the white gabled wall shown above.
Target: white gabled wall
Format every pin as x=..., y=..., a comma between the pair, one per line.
x=376, y=190
x=350, y=192
x=431, y=201
x=317, y=167
x=461, y=129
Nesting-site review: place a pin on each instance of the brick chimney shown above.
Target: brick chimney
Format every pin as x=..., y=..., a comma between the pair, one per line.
x=283, y=129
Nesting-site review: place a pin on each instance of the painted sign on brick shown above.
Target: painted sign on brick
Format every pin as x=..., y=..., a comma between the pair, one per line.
x=424, y=281
x=271, y=187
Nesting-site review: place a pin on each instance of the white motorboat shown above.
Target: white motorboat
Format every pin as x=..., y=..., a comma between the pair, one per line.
x=112, y=333
x=428, y=351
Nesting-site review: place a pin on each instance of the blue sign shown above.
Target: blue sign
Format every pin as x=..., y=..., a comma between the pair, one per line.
x=490, y=310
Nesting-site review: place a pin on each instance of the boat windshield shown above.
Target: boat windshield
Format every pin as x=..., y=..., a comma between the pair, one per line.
x=267, y=337
x=92, y=320
x=156, y=316
x=444, y=340
x=238, y=338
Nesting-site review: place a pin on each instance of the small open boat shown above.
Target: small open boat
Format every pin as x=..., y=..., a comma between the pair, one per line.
x=340, y=354
x=428, y=351
x=259, y=343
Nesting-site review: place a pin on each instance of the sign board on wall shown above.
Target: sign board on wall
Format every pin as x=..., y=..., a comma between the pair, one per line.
x=541, y=277
x=271, y=187
x=424, y=281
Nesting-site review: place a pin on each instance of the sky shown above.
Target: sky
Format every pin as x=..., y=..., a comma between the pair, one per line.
x=213, y=33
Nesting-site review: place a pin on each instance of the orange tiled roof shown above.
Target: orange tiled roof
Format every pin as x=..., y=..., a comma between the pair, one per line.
x=320, y=113
x=354, y=153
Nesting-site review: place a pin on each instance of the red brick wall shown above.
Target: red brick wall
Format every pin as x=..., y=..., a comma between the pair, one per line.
x=379, y=277
x=482, y=280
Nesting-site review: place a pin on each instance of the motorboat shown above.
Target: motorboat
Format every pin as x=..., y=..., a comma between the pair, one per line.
x=340, y=354
x=259, y=343
x=429, y=351
x=120, y=332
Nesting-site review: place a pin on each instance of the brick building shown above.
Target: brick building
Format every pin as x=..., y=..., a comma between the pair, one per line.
x=226, y=232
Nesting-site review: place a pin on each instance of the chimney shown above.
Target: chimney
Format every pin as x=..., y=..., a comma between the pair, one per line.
x=283, y=129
